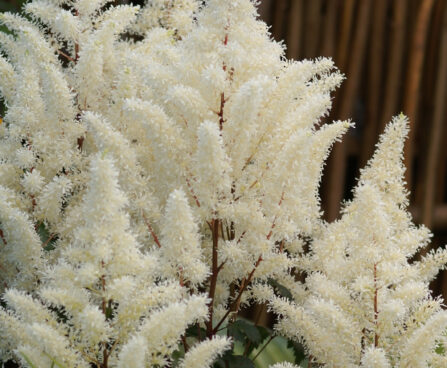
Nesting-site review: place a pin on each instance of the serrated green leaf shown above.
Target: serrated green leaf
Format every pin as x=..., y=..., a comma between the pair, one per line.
x=265, y=332
x=281, y=290
x=193, y=331
x=239, y=361
x=249, y=330
x=440, y=349
x=297, y=349
x=236, y=333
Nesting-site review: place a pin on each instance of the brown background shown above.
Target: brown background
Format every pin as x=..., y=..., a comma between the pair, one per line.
x=394, y=55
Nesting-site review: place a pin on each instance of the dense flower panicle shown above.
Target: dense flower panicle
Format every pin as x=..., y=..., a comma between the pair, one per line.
x=180, y=242
x=21, y=248
x=204, y=354
x=93, y=284
x=159, y=167
x=373, y=305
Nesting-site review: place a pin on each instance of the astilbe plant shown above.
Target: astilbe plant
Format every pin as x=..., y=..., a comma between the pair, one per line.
x=363, y=302
x=159, y=169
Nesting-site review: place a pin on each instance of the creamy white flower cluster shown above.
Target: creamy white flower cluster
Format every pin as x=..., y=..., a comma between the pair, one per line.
x=363, y=303
x=174, y=156
x=103, y=302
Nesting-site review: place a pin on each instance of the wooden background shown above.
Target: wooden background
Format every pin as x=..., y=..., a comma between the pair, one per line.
x=394, y=55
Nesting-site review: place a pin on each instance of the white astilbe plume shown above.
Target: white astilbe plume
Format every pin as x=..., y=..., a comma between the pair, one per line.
x=170, y=157
x=21, y=248
x=180, y=240
x=284, y=365
x=203, y=355
x=174, y=15
x=366, y=305
x=212, y=166
x=67, y=59
x=93, y=279
x=219, y=129
x=375, y=358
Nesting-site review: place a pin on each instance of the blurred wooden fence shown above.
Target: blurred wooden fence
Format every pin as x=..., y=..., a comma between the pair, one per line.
x=394, y=55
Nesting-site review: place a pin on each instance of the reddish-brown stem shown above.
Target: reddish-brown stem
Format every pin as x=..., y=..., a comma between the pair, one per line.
x=221, y=266
x=80, y=143
x=309, y=363
x=185, y=345
x=151, y=230
x=3, y=237
x=276, y=217
x=241, y=237
x=235, y=307
x=376, y=312
x=213, y=281
x=221, y=111
x=76, y=44
x=181, y=278
x=105, y=355
x=281, y=246
x=188, y=183
x=33, y=202
x=48, y=240
x=68, y=57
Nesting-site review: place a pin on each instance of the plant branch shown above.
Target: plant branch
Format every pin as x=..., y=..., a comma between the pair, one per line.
x=3, y=237
x=376, y=312
x=236, y=304
x=215, y=272
x=276, y=217
x=151, y=230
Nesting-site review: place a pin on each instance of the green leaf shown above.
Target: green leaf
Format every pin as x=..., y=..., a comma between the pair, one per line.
x=440, y=349
x=239, y=361
x=298, y=350
x=45, y=237
x=265, y=332
x=193, y=331
x=243, y=330
x=235, y=332
x=280, y=289
x=275, y=352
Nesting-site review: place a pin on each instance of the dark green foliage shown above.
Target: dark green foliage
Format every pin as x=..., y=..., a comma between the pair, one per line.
x=298, y=351
x=280, y=290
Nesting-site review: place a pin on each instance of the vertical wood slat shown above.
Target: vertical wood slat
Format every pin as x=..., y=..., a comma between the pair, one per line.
x=329, y=28
x=413, y=80
x=345, y=33
x=375, y=79
x=264, y=10
x=294, y=31
x=312, y=25
x=395, y=60
x=333, y=186
x=279, y=18
x=427, y=102
x=336, y=179
x=404, y=23
x=436, y=131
